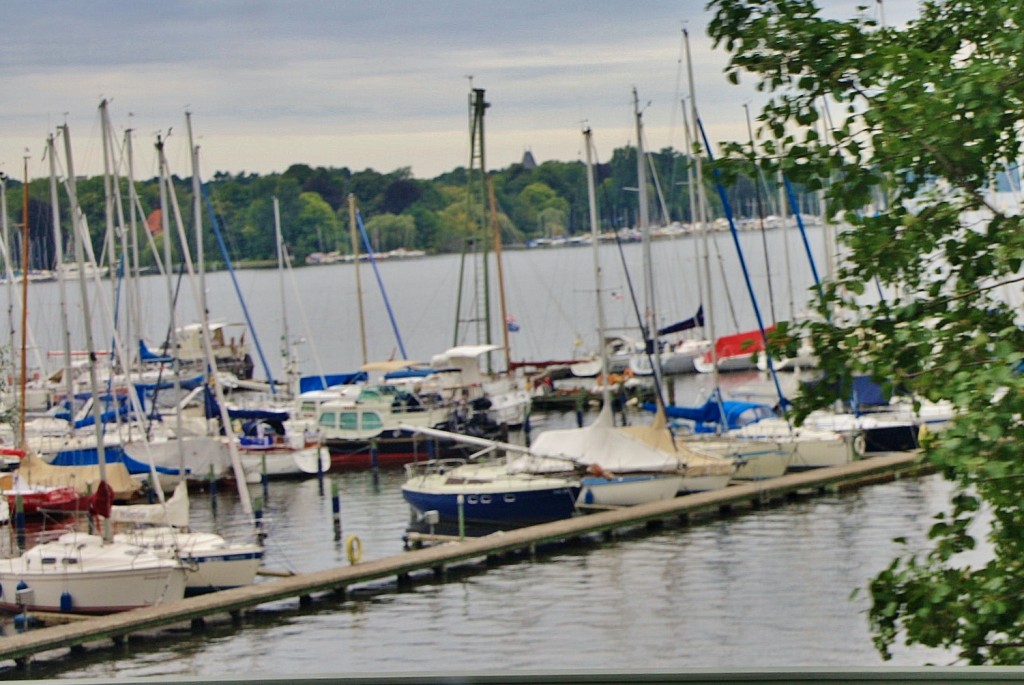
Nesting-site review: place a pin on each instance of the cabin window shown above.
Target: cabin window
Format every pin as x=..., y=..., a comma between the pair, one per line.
x=348, y=420
x=327, y=419
x=370, y=395
x=371, y=421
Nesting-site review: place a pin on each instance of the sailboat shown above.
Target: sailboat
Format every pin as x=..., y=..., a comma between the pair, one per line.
x=621, y=469
x=487, y=493
x=212, y=563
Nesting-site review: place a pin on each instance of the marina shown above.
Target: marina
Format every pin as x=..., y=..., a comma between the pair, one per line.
x=308, y=571
x=438, y=558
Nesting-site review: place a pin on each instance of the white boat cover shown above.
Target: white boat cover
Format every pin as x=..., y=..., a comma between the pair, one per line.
x=172, y=512
x=599, y=444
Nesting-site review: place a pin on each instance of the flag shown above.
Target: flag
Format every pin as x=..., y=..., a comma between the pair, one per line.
x=155, y=222
x=616, y=295
x=510, y=323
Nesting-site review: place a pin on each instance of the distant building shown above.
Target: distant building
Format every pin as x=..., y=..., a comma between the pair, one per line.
x=529, y=163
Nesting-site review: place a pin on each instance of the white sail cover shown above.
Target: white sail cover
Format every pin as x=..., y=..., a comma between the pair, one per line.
x=172, y=512
x=599, y=444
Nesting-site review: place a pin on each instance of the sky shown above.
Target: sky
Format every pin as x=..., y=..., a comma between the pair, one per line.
x=339, y=83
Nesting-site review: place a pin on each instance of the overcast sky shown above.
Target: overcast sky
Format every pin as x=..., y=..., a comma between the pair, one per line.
x=358, y=84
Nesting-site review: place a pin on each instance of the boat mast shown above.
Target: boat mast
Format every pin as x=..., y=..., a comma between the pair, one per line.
x=650, y=324
x=80, y=235
x=606, y=391
x=702, y=206
x=355, y=264
x=58, y=258
x=211, y=360
x=476, y=203
x=24, y=306
x=5, y=236
x=286, y=339
x=172, y=341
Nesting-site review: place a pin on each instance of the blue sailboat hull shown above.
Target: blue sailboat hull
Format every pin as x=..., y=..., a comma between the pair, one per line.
x=511, y=509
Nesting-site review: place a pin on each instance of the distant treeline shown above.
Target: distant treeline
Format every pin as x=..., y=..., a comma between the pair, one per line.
x=436, y=215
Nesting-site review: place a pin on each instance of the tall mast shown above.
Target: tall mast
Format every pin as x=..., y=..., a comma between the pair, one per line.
x=355, y=264
x=24, y=306
x=606, y=391
x=211, y=360
x=197, y=209
x=58, y=254
x=702, y=207
x=172, y=320
x=650, y=324
x=286, y=339
x=5, y=236
x=80, y=235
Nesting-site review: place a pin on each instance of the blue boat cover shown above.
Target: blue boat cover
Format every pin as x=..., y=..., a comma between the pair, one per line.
x=90, y=457
x=708, y=417
x=147, y=355
x=409, y=373
x=308, y=383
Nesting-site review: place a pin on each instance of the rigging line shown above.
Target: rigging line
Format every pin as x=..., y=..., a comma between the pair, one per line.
x=380, y=284
x=649, y=343
x=803, y=234
x=215, y=224
x=302, y=314
x=154, y=414
x=743, y=264
x=758, y=179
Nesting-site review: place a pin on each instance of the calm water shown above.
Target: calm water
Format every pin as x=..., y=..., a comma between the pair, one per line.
x=766, y=588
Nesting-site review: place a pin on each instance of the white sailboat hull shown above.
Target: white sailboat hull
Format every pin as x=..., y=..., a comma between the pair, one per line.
x=80, y=574
x=627, y=491
x=211, y=562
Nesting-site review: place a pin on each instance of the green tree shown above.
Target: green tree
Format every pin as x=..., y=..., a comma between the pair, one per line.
x=390, y=231
x=922, y=119
x=539, y=199
x=316, y=218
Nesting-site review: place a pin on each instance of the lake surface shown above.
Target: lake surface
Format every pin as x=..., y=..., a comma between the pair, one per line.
x=768, y=588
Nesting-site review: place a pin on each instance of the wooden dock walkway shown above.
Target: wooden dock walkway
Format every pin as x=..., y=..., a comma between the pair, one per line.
x=434, y=559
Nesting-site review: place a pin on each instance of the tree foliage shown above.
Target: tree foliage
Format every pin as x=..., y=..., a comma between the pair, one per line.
x=433, y=214
x=920, y=121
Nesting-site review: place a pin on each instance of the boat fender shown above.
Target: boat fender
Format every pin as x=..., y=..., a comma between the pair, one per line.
x=859, y=445
x=66, y=603
x=353, y=549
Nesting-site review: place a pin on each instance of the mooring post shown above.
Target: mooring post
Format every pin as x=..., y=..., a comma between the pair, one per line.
x=336, y=509
x=213, y=490
x=19, y=520
x=257, y=511
x=460, y=500
x=263, y=476
x=320, y=467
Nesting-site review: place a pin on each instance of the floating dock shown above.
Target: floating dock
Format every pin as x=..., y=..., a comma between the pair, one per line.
x=435, y=559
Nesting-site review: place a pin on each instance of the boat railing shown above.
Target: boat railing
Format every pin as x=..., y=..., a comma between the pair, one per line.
x=433, y=466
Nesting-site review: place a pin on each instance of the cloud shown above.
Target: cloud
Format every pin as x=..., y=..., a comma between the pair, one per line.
x=356, y=84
